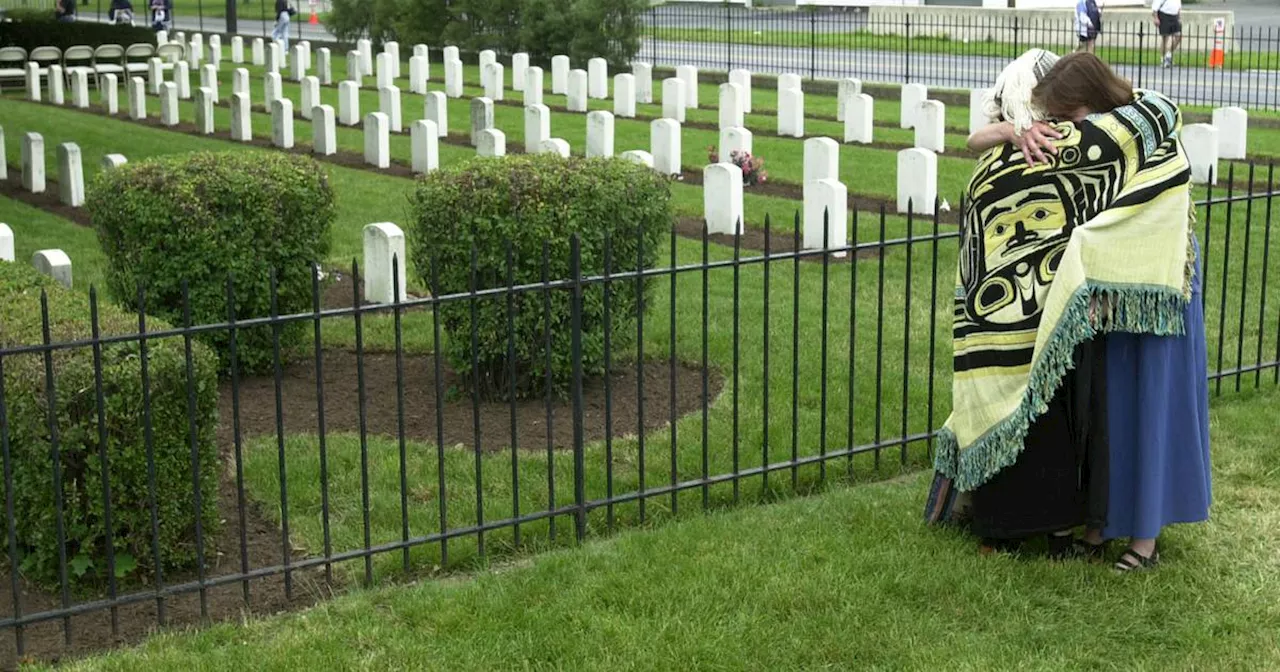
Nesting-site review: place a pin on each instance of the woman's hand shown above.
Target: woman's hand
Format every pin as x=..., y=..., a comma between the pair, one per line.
x=1035, y=141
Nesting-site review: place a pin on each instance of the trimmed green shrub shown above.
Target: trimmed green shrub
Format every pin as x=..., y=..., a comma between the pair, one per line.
x=30, y=29
x=531, y=201
x=201, y=217
x=76, y=411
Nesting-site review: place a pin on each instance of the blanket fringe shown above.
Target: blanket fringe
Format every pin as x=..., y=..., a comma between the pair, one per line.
x=1092, y=310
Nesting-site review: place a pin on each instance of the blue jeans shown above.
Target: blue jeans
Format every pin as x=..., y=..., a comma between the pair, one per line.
x=281, y=32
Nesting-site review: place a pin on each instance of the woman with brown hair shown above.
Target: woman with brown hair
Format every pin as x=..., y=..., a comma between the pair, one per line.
x=1073, y=230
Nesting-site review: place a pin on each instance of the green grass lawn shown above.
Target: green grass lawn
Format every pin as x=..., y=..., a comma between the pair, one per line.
x=846, y=580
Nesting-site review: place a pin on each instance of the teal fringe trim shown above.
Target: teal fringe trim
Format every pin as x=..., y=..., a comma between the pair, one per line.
x=1094, y=309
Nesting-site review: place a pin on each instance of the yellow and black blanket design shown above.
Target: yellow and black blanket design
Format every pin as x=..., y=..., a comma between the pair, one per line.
x=1097, y=240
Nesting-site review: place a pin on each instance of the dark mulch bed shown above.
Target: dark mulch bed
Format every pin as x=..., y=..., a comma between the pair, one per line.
x=781, y=239
x=46, y=200
x=93, y=632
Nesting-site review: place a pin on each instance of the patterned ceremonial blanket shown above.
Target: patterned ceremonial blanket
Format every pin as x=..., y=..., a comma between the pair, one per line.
x=1052, y=255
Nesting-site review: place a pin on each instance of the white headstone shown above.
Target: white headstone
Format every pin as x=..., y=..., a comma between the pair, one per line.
x=743, y=79
x=259, y=50
x=70, y=175
x=392, y=50
x=917, y=181
x=182, y=78
x=859, y=117
x=624, y=95
x=241, y=122
x=451, y=53
x=481, y=118
x=348, y=104
x=789, y=81
x=137, y=93
x=722, y=198
x=282, y=123
x=80, y=89
x=109, y=87
x=847, y=90
x=643, y=72
x=821, y=160
x=215, y=51
x=664, y=144
x=577, y=95
x=599, y=134
x=324, y=66
x=493, y=143
x=419, y=67
x=791, y=113
x=57, y=80
x=731, y=114
x=274, y=58
x=1201, y=143
x=385, y=71
x=519, y=68
x=237, y=49
x=1233, y=132
x=733, y=140
x=195, y=50
x=33, y=163
x=169, y=104
x=113, y=161
x=299, y=65
x=271, y=88
x=33, y=81
x=436, y=110
x=495, y=81
x=310, y=96
x=533, y=83
x=324, y=134
x=6, y=243
x=55, y=264
x=377, y=143
x=209, y=79
x=204, y=110
x=424, y=138
x=383, y=248
x=486, y=57
x=826, y=215
x=639, y=156
x=453, y=78
x=162, y=37
x=931, y=125
x=355, y=68
x=689, y=75
x=559, y=75
x=306, y=54
x=673, y=102
x=537, y=127
x=556, y=146
x=977, y=117
x=240, y=82
x=912, y=96
x=365, y=47
x=389, y=104
x=598, y=78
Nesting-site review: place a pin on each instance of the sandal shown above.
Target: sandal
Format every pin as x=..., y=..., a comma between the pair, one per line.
x=1131, y=561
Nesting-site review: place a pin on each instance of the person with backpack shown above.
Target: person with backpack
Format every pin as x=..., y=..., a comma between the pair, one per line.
x=281, y=32
x=1088, y=24
x=65, y=11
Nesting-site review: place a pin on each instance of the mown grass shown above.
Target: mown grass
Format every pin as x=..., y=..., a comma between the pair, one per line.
x=846, y=580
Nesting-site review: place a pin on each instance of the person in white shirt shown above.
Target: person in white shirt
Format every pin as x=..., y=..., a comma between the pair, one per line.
x=1168, y=18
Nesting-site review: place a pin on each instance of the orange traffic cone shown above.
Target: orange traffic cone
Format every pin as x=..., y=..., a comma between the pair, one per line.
x=314, y=19
x=1218, y=57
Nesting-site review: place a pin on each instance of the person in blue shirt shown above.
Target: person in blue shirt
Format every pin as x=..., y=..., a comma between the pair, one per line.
x=1088, y=24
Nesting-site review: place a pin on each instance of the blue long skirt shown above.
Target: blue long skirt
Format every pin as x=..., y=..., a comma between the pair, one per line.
x=1158, y=422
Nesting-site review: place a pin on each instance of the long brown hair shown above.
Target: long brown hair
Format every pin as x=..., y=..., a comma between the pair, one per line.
x=1081, y=80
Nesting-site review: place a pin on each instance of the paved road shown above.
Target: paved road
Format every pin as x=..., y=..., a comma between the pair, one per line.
x=1256, y=89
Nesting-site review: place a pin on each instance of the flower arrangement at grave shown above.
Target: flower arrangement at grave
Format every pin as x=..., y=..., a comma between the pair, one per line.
x=753, y=171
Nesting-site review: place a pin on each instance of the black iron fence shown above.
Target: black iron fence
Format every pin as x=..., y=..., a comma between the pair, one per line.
x=750, y=374
x=958, y=51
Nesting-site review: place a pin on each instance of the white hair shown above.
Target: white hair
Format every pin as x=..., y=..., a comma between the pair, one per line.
x=1010, y=98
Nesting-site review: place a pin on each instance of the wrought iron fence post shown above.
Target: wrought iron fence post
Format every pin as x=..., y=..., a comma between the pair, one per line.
x=1142, y=51
x=728, y=36
x=906, y=54
x=232, y=17
x=813, y=45
x=1016, y=48
x=575, y=311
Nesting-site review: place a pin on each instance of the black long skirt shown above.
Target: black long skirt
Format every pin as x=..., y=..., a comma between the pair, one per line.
x=1060, y=479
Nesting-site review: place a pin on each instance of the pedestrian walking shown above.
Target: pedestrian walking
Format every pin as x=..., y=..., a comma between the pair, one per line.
x=1167, y=15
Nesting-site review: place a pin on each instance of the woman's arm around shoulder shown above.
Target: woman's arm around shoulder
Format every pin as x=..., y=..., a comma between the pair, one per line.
x=1034, y=142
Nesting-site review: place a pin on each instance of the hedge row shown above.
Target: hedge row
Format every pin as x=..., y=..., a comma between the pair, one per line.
x=30, y=29
x=76, y=412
